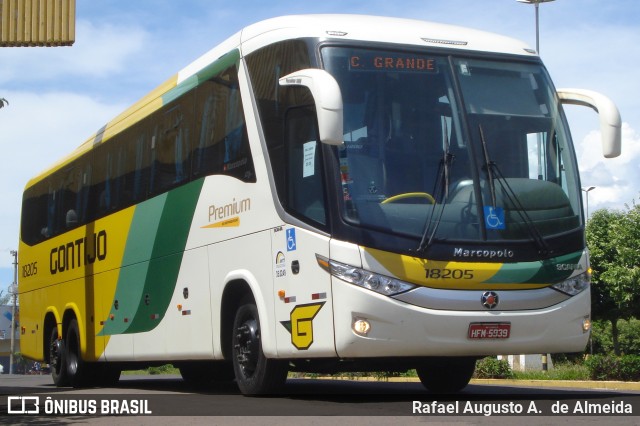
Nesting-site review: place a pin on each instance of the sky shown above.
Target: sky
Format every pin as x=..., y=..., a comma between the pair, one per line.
x=58, y=97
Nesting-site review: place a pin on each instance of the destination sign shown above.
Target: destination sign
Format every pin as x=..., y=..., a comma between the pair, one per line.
x=383, y=61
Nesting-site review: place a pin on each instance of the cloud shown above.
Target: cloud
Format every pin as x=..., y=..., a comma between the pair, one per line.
x=100, y=50
x=35, y=131
x=616, y=179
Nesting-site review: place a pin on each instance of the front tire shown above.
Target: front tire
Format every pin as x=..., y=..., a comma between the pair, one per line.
x=446, y=375
x=255, y=373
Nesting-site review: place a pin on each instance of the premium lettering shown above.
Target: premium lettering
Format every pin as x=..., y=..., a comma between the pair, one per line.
x=234, y=208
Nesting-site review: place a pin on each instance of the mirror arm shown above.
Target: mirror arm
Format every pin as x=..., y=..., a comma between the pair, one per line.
x=610, y=121
x=328, y=100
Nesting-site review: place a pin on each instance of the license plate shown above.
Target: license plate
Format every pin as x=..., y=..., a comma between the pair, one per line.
x=489, y=330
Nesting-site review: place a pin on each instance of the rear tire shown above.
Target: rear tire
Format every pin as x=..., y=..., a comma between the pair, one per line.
x=57, y=359
x=446, y=375
x=77, y=368
x=255, y=373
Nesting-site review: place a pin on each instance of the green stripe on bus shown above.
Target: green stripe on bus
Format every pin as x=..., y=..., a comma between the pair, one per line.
x=204, y=74
x=156, y=242
x=135, y=264
x=550, y=273
x=168, y=248
x=538, y=272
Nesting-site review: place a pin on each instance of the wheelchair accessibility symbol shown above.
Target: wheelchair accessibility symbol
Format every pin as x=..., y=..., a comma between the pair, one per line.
x=494, y=218
x=291, y=239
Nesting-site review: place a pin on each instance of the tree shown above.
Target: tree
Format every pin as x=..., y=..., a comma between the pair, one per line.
x=613, y=238
x=4, y=298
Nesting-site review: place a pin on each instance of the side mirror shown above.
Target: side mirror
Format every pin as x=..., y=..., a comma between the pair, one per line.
x=610, y=121
x=328, y=99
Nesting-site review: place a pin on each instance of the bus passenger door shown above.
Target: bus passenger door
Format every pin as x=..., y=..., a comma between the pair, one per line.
x=304, y=310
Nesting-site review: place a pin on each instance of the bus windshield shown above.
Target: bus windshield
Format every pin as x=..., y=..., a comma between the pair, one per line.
x=449, y=148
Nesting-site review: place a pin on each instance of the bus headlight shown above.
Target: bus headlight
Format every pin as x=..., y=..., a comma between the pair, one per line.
x=363, y=278
x=573, y=285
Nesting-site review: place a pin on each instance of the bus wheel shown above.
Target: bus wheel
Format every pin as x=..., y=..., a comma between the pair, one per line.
x=255, y=374
x=446, y=375
x=76, y=367
x=57, y=359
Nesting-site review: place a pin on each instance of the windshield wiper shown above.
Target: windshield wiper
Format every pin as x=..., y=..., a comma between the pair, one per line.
x=441, y=184
x=492, y=168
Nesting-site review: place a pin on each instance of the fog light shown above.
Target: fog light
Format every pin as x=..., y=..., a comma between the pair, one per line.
x=361, y=326
x=586, y=324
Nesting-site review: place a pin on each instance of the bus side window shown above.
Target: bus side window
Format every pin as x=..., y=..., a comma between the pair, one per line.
x=222, y=145
x=266, y=67
x=305, y=189
x=72, y=197
x=170, y=146
x=33, y=224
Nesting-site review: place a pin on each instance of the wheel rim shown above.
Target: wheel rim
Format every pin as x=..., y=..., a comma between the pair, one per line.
x=248, y=346
x=55, y=356
x=72, y=356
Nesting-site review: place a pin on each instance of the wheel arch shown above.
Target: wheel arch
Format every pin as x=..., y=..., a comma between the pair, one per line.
x=238, y=286
x=50, y=321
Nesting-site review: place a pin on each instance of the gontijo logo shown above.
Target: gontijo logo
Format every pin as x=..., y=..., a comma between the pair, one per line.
x=78, y=253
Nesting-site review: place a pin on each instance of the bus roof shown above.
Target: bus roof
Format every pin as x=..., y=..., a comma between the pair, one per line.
x=361, y=28
x=381, y=29
x=325, y=27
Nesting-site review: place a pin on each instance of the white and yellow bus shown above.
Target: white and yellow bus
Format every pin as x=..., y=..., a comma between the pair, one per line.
x=317, y=193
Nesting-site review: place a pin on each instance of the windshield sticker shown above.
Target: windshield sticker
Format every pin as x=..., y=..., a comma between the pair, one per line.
x=309, y=159
x=464, y=69
x=376, y=61
x=494, y=218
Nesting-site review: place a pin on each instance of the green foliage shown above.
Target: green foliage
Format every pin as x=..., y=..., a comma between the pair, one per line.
x=5, y=298
x=493, y=368
x=604, y=367
x=628, y=337
x=613, y=238
x=163, y=369
x=562, y=371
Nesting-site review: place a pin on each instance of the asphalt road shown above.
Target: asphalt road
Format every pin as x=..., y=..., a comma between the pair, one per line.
x=171, y=401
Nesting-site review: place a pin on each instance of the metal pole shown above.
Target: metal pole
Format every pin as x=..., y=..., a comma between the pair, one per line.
x=538, y=28
x=14, y=288
x=586, y=191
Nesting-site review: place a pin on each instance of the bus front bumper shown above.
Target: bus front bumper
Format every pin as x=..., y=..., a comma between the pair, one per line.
x=371, y=325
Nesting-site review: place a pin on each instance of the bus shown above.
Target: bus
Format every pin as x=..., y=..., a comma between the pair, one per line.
x=318, y=193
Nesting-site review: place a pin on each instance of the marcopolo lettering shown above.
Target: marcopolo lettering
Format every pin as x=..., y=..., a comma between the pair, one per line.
x=483, y=254
x=81, y=252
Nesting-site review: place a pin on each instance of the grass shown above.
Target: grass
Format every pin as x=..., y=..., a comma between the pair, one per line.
x=163, y=369
x=559, y=372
